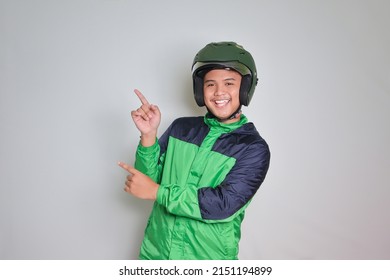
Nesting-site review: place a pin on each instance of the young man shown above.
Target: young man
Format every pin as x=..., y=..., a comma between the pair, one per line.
x=203, y=171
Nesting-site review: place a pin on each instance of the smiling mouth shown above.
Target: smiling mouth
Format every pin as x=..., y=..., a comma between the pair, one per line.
x=221, y=103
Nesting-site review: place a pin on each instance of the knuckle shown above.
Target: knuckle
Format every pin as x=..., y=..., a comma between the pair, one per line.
x=145, y=107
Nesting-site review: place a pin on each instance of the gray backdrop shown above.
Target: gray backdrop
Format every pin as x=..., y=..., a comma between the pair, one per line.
x=67, y=74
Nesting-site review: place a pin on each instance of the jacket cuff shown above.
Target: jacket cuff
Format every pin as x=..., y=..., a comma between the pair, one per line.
x=161, y=195
x=148, y=150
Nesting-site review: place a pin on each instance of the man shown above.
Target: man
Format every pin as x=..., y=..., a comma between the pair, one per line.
x=203, y=171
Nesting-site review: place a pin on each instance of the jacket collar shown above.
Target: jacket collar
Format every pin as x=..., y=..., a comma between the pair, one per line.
x=213, y=123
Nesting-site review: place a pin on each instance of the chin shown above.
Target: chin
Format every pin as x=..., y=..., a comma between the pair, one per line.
x=222, y=116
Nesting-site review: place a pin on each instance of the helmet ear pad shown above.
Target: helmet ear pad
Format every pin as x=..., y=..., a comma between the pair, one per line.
x=246, y=83
x=198, y=88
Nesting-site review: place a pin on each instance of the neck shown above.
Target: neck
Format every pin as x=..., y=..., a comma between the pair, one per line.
x=233, y=118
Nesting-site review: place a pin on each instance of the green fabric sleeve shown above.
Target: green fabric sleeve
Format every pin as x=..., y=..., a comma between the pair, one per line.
x=148, y=161
x=184, y=202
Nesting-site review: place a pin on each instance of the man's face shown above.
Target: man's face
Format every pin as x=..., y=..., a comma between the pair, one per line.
x=221, y=92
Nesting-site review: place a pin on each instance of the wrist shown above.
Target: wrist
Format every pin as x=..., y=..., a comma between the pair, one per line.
x=154, y=197
x=148, y=139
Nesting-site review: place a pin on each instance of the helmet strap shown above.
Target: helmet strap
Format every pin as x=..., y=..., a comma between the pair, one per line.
x=233, y=116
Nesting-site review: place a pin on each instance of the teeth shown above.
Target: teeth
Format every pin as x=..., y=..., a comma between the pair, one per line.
x=221, y=102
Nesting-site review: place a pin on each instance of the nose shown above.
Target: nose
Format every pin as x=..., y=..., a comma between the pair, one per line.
x=218, y=90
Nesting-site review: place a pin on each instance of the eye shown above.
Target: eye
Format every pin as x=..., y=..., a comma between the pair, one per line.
x=209, y=85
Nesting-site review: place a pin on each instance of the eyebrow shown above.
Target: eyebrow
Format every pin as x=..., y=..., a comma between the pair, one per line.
x=227, y=79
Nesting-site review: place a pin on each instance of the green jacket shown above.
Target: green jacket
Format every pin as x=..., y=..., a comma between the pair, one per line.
x=208, y=172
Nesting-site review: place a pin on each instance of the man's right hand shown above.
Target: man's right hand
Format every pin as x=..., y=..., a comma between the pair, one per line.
x=147, y=119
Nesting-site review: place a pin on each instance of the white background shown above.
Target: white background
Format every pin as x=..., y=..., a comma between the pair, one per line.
x=67, y=74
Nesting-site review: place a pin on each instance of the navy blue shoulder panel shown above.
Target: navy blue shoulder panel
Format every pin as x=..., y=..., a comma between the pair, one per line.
x=252, y=156
x=189, y=129
x=233, y=144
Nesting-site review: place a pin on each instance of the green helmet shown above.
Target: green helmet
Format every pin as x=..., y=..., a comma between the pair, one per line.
x=220, y=56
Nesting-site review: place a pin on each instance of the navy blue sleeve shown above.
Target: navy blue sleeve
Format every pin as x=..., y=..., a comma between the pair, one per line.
x=239, y=186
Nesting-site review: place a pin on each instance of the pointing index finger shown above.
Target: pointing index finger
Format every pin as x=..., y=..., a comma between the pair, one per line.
x=124, y=166
x=128, y=168
x=141, y=97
